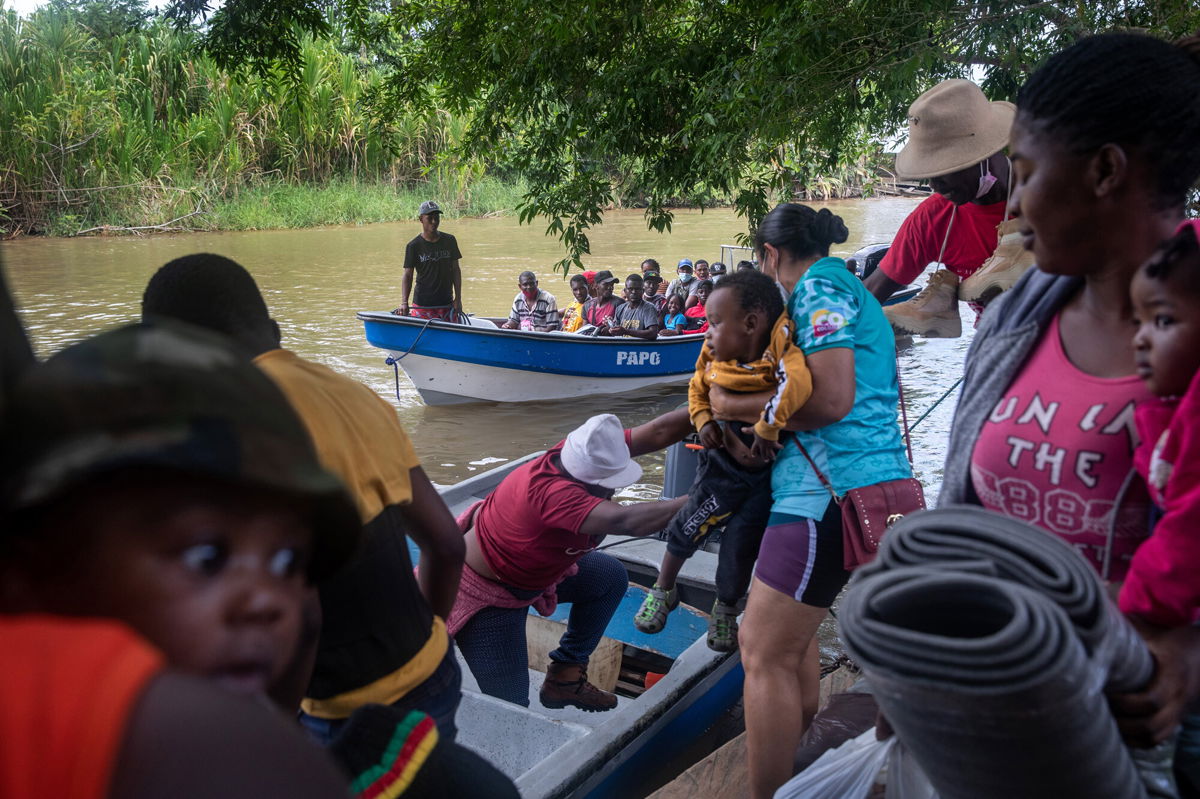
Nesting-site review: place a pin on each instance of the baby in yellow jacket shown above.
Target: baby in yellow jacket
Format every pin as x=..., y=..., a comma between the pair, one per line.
x=748, y=348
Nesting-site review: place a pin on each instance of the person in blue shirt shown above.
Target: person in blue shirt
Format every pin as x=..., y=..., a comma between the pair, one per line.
x=849, y=428
x=674, y=322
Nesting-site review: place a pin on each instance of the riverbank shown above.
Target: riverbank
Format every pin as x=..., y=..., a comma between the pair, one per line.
x=277, y=205
x=281, y=206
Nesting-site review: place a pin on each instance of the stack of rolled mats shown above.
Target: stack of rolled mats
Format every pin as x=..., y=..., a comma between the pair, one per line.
x=989, y=645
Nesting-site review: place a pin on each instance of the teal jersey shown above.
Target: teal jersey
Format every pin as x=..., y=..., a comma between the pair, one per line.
x=830, y=308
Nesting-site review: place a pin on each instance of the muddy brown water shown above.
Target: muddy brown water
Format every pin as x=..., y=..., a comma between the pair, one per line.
x=315, y=280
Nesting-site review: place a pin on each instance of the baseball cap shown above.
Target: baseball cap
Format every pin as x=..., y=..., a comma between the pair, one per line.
x=429, y=207
x=590, y=276
x=684, y=262
x=596, y=453
x=167, y=395
x=717, y=269
x=652, y=277
x=605, y=276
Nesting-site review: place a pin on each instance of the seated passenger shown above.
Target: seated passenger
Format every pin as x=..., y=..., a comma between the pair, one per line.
x=697, y=321
x=600, y=309
x=650, y=265
x=532, y=308
x=657, y=298
x=572, y=315
x=701, y=269
x=674, y=322
x=636, y=318
x=682, y=284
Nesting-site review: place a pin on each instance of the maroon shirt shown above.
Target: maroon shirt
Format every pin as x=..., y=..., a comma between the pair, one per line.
x=528, y=528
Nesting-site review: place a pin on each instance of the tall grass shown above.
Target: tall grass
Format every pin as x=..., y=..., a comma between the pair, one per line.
x=139, y=130
x=341, y=202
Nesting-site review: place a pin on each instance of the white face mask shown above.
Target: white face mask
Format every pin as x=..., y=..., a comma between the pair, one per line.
x=684, y=277
x=986, y=179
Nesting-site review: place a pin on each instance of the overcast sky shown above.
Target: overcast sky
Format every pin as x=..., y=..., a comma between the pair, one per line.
x=25, y=6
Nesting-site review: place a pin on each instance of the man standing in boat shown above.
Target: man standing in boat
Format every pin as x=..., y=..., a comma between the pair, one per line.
x=956, y=141
x=434, y=258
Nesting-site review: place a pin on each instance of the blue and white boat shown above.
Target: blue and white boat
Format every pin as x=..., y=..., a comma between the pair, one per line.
x=452, y=363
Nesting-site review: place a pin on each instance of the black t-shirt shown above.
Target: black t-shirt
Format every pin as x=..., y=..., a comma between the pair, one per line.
x=375, y=618
x=434, y=265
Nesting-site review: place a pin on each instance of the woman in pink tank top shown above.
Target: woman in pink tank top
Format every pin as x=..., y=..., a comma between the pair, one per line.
x=1103, y=148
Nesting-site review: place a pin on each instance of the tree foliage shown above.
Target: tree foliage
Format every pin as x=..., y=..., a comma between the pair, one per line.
x=139, y=126
x=597, y=101
x=104, y=19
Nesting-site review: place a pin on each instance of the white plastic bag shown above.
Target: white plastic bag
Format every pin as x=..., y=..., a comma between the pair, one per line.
x=847, y=772
x=905, y=779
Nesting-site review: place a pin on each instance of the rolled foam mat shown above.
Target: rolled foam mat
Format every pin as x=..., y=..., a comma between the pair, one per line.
x=988, y=686
x=989, y=644
x=988, y=543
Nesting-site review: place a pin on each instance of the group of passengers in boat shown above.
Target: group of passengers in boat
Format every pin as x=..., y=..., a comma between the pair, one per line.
x=643, y=310
x=190, y=511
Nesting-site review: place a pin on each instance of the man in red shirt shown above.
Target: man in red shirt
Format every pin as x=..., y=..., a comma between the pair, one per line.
x=956, y=140
x=533, y=542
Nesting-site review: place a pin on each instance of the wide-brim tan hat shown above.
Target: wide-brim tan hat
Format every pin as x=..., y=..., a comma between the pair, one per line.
x=951, y=127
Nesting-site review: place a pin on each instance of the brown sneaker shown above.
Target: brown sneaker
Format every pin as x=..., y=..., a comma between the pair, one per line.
x=933, y=313
x=1001, y=271
x=567, y=684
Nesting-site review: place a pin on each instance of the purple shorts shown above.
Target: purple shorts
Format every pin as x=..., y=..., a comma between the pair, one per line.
x=802, y=557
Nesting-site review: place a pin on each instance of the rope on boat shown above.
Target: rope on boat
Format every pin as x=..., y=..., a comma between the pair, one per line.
x=395, y=362
x=929, y=410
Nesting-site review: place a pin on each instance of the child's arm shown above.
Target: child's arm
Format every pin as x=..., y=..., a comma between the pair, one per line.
x=1163, y=584
x=793, y=389
x=699, y=408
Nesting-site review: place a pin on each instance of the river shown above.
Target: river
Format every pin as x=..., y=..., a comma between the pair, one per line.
x=315, y=280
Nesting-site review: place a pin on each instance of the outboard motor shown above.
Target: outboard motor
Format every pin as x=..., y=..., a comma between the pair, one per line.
x=867, y=259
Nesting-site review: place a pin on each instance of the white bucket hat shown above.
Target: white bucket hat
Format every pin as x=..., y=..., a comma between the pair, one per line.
x=595, y=453
x=951, y=127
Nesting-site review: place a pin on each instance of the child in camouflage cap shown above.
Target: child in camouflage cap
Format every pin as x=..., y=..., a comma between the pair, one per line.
x=152, y=475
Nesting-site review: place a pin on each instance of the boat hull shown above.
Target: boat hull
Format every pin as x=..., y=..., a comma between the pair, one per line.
x=451, y=363
x=441, y=381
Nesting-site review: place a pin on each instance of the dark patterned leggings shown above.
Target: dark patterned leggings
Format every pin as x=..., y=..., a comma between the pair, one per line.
x=493, y=641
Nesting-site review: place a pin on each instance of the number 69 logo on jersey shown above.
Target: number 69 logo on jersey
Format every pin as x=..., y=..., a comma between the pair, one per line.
x=826, y=321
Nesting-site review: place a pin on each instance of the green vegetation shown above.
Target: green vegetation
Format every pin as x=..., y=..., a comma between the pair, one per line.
x=140, y=129
x=664, y=100
x=243, y=113
x=341, y=202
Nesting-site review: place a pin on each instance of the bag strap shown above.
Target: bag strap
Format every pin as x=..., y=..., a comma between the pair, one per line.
x=904, y=412
x=946, y=240
x=820, y=474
